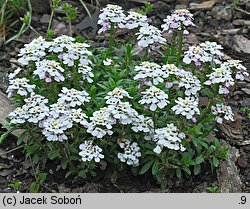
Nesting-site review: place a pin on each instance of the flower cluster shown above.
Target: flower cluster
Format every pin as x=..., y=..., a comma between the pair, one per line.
x=111, y=14
x=73, y=97
x=179, y=20
x=48, y=69
x=150, y=73
x=241, y=71
x=149, y=37
x=205, y=52
x=154, y=97
x=89, y=152
x=222, y=76
x=190, y=82
x=134, y=20
x=131, y=153
x=169, y=137
x=21, y=86
x=187, y=107
x=222, y=111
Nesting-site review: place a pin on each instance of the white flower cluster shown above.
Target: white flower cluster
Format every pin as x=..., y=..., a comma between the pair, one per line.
x=131, y=153
x=154, y=98
x=134, y=20
x=187, y=107
x=179, y=20
x=241, y=71
x=149, y=37
x=33, y=51
x=150, y=73
x=190, y=82
x=90, y=152
x=73, y=97
x=116, y=112
x=48, y=69
x=20, y=86
x=111, y=14
x=205, y=52
x=223, y=76
x=222, y=111
x=169, y=137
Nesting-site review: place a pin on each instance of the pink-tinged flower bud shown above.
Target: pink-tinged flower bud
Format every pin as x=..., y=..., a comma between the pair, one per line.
x=194, y=119
x=169, y=84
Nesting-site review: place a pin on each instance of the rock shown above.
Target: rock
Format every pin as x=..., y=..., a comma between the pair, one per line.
x=59, y=28
x=241, y=44
x=232, y=31
x=41, y=6
x=241, y=22
x=228, y=174
x=222, y=13
x=241, y=162
x=45, y=18
x=207, y=5
x=246, y=90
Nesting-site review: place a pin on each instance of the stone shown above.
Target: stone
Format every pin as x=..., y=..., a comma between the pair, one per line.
x=246, y=90
x=222, y=13
x=40, y=6
x=228, y=174
x=241, y=162
x=241, y=44
x=45, y=18
x=207, y=5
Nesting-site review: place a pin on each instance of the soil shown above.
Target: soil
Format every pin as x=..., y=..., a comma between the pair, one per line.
x=213, y=25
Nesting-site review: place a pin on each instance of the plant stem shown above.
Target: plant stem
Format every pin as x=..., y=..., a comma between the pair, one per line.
x=111, y=38
x=70, y=28
x=50, y=21
x=180, y=47
x=173, y=43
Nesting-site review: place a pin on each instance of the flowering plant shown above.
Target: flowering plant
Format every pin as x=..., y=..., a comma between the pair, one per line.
x=94, y=110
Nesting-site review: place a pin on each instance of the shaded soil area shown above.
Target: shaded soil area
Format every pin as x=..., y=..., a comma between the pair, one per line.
x=217, y=23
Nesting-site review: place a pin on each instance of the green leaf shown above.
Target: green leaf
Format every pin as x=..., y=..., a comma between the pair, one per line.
x=187, y=170
x=6, y=134
x=197, y=169
x=199, y=160
x=21, y=138
x=146, y=167
x=114, y=177
x=215, y=162
x=155, y=167
x=82, y=174
x=69, y=173
x=178, y=173
x=52, y=154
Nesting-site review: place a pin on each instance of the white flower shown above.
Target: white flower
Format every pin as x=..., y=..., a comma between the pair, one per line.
x=59, y=109
x=18, y=116
x=223, y=76
x=110, y=14
x=172, y=70
x=150, y=36
x=213, y=49
x=86, y=72
x=123, y=112
x=60, y=43
x=155, y=98
x=101, y=123
x=222, y=111
x=169, y=137
x=134, y=20
x=197, y=55
x=38, y=113
x=48, y=69
x=78, y=116
x=34, y=100
x=108, y=62
x=116, y=95
x=144, y=124
x=73, y=97
x=241, y=71
x=179, y=20
x=131, y=153
x=187, y=107
x=150, y=73
x=15, y=73
x=21, y=86
x=89, y=152
x=54, y=128
x=190, y=82
x=33, y=51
